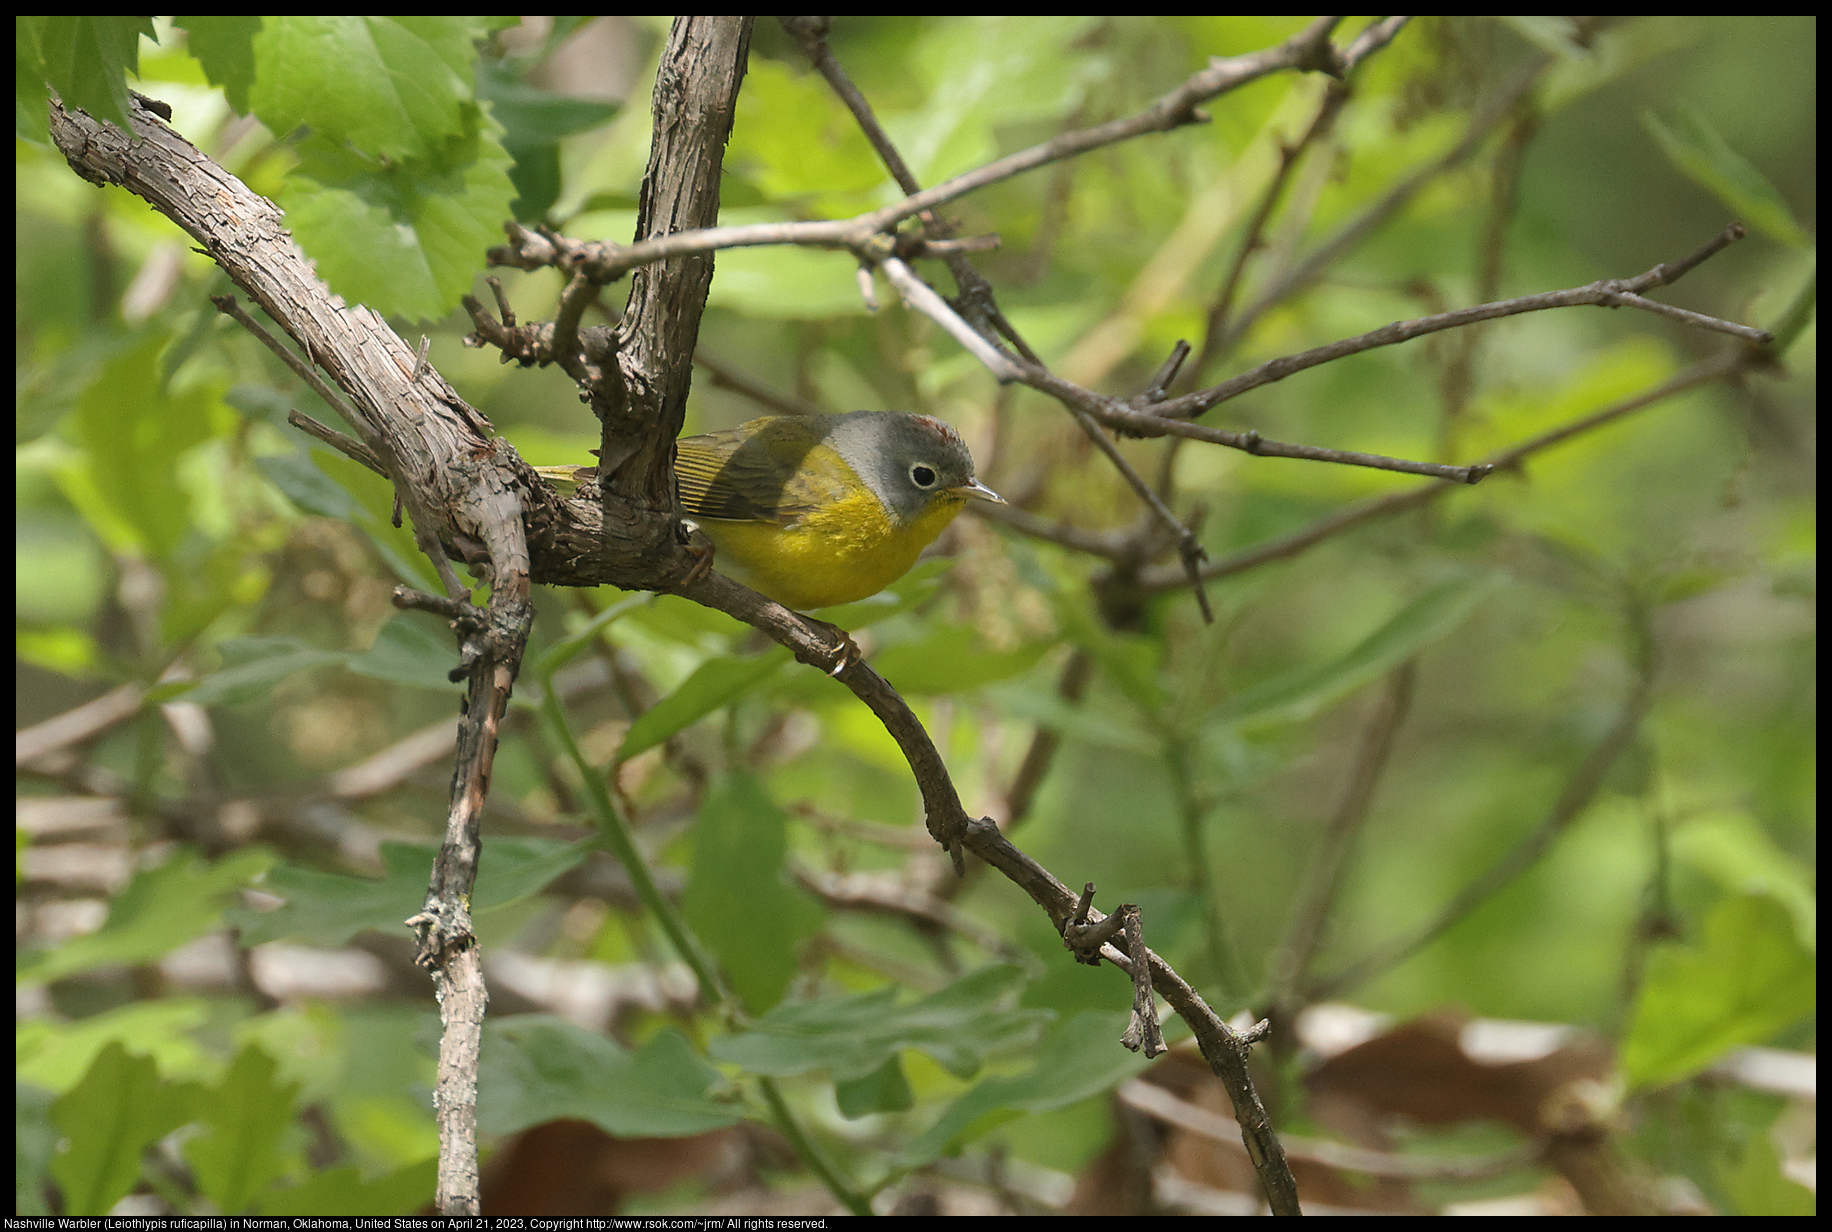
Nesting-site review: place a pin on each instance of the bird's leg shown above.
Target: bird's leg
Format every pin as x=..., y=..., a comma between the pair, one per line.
x=846, y=651
x=702, y=565
x=687, y=533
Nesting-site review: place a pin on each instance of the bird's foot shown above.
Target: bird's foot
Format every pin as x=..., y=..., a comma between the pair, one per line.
x=846, y=652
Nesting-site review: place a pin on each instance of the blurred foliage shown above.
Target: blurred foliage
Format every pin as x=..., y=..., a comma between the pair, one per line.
x=175, y=535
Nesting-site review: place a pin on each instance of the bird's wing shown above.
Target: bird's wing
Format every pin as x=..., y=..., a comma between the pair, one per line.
x=734, y=476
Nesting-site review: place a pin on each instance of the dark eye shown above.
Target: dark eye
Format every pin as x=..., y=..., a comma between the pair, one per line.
x=922, y=476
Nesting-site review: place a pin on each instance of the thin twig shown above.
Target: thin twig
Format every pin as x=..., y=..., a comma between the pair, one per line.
x=1604, y=293
x=1215, y=331
x=1377, y=35
x=922, y=298
x=804, y=1146
x=723, y=376
x=1188, y=547
x=1143, y=1034
x=1286, y=546
x=1123, y=417
x=1224, y=1049
x=1308, y=50
x=346, y=445
x=1366, y=223
x=231, y=308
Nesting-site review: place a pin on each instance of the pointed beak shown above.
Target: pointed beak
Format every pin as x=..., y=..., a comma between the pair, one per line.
x=980, y=491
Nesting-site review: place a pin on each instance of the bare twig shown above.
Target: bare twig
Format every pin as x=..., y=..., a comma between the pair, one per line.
x=1377, y=35
x=922, y=298
x=1717, y=368
x=1188, y=547
x=74, y=726
x=349, y=446
x=1309, y=49
x=227, y=305
x=1353, y=232
x=1224, y=1049
x=1124, y=417
x=1142, y=1031
x=1604, y=293
x=723, y=376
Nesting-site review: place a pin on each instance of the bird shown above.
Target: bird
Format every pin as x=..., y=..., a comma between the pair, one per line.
x=818, y=510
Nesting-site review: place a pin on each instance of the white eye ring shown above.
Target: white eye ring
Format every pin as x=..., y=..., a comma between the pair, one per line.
x=923, y=476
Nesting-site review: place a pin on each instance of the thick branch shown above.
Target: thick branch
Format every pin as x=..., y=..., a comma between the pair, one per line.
x=696, y=96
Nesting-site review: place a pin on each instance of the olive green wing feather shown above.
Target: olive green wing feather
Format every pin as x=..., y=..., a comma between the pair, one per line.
x=744, y=477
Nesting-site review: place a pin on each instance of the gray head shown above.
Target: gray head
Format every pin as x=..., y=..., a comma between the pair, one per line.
x=908, y=460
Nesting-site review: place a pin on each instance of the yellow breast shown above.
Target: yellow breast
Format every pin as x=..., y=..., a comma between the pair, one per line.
x=839, y=552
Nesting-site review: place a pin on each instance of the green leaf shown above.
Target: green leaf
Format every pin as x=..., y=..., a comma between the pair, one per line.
x=34, y=1145
x=344, y=1192
x=533, y=122
x=1749, y=978
x=404, y=238
x=1298, y=695
x=959, y=1026
x=537, y=1068
x=403, y=182
x=1081, y=1058
x=118, y=1110
x=716, y=683
x=329, y=908
x=1130, y=661
x=224, y=44
x=1732, y=849
x=1758, y=1186
x=885, y=1089
x=238, y=1154
x=86, y=60
x=55, y=1055
x=793, y=139
x=530, y=115
x=409, y=239
x=161, y=909
x=307, y=486
x=950, y=659
x=253, y=666
x=372, y=509
x=133, y=431
x=736, y=901
x=514, y=868
x=402, y=82
x=406, y=652
x=1703, y=156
